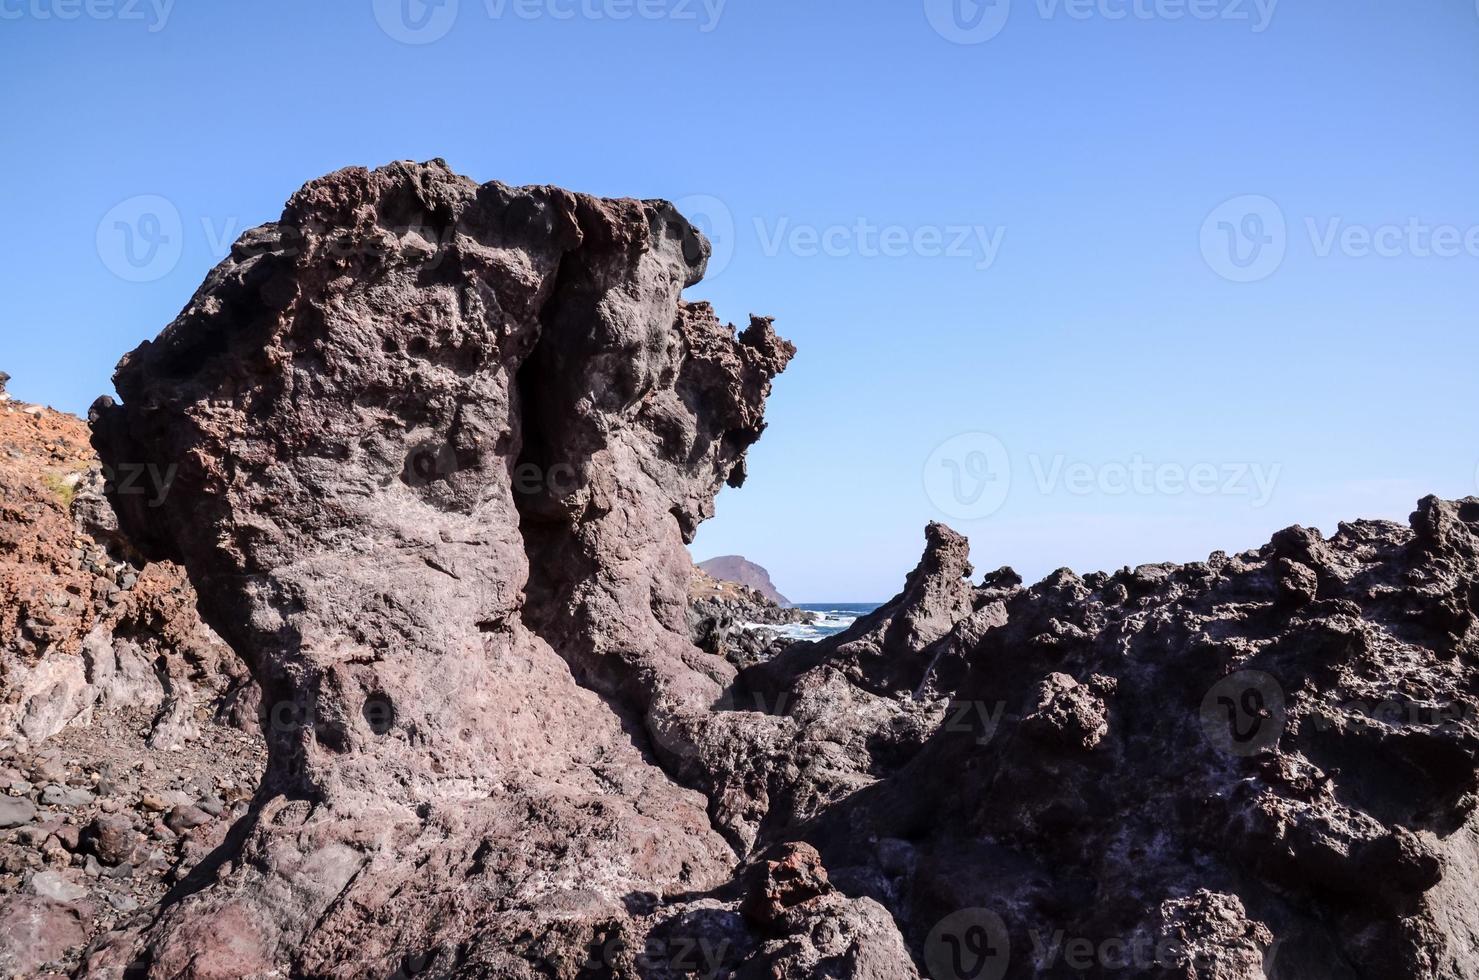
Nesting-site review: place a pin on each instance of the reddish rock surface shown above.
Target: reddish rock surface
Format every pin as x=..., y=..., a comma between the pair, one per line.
x=786, y=887
x=84, y=622
x=111, y=689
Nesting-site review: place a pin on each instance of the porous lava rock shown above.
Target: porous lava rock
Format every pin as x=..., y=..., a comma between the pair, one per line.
x=1177, y=771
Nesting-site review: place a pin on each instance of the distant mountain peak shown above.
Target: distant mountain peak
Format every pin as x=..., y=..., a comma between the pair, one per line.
x=739, y=569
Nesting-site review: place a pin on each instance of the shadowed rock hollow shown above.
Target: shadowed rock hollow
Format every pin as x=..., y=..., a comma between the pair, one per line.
x=440, y=446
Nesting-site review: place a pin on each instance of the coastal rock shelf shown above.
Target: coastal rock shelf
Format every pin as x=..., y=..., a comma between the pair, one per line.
x=440, y=446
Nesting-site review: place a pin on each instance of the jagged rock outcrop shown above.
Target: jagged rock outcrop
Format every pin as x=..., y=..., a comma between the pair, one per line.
x=436, y=486
x=438, y=447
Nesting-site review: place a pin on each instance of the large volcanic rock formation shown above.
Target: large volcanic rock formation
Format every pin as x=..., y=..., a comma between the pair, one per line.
x=439, y=448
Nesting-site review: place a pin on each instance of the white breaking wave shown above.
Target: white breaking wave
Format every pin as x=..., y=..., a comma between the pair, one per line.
x=826, y=624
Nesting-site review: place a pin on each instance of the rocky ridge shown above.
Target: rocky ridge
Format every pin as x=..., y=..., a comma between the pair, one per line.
x=440, y=446
x=742, y=571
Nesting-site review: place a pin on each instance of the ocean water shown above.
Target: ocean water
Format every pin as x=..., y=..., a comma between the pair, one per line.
x=834, y=618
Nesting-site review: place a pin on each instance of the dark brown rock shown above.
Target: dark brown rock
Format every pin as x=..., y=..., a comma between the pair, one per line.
x=183, y=818
x=1298, y=584
x=111, y=837
x=785, y=886
x=68, y=835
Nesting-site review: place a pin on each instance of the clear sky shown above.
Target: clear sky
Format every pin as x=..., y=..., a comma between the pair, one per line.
x=1098, y=282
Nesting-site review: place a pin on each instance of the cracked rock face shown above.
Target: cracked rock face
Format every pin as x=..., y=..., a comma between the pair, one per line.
x=437, y=449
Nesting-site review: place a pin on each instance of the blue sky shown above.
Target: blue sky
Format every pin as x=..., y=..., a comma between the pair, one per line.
x=1098, y=282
